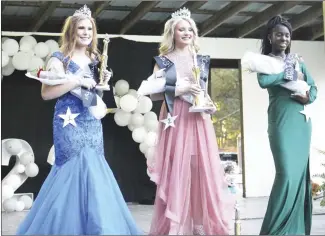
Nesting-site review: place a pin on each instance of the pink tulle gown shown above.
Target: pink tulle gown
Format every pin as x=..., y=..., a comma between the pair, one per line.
x=192, y=195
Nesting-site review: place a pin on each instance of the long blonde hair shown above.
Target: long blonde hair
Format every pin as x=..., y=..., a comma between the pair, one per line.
x=68, y=39
x=167, y=44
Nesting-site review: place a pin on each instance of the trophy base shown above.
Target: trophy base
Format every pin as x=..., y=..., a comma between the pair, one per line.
x=103, y=87
x=200, y=108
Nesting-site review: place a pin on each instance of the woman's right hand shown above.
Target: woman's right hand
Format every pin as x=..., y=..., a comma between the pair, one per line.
x=87, y=83
x=188, y=86
x=195, y=89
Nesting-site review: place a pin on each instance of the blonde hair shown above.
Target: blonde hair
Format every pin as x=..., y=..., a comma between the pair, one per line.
x=68, y=39
x=167, y=44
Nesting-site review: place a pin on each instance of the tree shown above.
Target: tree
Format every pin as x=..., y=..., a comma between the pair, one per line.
x=225, y=92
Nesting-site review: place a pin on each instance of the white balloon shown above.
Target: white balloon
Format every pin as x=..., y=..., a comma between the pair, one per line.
x=139, y=134
x=35, y=63
x=151, y=139
x=133, y=92
x=143, y=147
x=29, y=40
x=13, y=147
x=10, y=46
x=20, y=168
x=31, y=170
x=137, y=119
x=8, y=69
x=117, y=101
x=13, y=180
x=9, y=205
x=26, y=158
x=21, y=60
x=144, y=105
x=4, y=59
x=30, y=53
x=3, y=39
x=150, y=153
x=122, y=118
x=128, y=103
x=20, y=206
x=152, y=125
x=150, y=116
x=41, y=50
x=25, y=47
x=131, y=127
x=48, y=57
x=27, y=201
x=7, y=191
x=53, y=46
x=121, y=87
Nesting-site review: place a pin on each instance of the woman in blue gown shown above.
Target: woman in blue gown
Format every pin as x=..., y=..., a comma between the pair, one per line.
x=80, y=196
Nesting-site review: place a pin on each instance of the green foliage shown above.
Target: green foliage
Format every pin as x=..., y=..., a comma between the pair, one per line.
x=322, y=203
x=322, y=187
x=225, y=92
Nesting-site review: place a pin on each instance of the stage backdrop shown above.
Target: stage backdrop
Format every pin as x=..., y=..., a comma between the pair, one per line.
x=26, y=116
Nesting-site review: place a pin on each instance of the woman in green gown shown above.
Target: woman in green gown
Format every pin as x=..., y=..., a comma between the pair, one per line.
x=289, y=208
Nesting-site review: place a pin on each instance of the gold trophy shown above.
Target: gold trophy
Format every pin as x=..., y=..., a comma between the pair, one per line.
x=103, y=66
x=199, y=99
x=201, y=102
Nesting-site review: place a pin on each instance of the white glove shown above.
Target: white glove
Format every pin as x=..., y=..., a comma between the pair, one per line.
x=86, y=83
x=187, y=87
x=107, y=76
x=50, y=75
x=100, y=110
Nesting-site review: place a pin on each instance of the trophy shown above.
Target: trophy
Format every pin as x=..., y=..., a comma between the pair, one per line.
x=201, y=101
x=102, y=84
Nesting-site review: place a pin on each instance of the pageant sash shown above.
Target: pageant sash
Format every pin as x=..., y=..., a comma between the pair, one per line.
x=171, y=76
x=255, y=62
x=289, y=72
x=88, y=97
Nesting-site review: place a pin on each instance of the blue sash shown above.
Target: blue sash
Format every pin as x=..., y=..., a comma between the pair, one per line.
x=171, y=76
x=289, y=72
x=88, y=97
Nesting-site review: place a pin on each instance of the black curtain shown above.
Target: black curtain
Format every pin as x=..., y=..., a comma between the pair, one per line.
x=26, y=116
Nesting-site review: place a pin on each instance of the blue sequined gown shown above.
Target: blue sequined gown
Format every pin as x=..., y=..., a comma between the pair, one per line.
x=80, y=196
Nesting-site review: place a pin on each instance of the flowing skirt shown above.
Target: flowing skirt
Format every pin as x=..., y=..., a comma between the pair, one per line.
x=289, y=210
x=80, y=196
x=192, y=194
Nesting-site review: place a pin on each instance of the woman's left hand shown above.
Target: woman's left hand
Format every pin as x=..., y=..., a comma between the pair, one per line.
x=107, y=76
x=211, y=111
x=303, y=99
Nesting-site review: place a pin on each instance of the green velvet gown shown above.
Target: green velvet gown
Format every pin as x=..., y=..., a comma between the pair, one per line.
x=289, y=210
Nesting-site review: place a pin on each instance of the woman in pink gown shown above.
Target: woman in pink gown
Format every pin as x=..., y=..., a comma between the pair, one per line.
x=192, y=195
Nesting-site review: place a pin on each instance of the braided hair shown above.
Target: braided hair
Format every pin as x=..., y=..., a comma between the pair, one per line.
x=266, y=47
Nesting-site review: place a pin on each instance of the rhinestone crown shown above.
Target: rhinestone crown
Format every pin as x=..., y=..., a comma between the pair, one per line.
x=184, y=13
x=84, y=11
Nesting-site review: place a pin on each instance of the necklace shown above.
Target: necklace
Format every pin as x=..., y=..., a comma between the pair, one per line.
x=281, y=57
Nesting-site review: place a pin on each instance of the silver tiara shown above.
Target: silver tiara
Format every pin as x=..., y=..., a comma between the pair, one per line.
x=183, y=13
x=84, y=11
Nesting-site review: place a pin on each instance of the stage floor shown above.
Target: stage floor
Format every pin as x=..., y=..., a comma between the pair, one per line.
x=252, y=211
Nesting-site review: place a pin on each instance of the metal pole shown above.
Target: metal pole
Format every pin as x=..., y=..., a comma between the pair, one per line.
x=237, y=220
